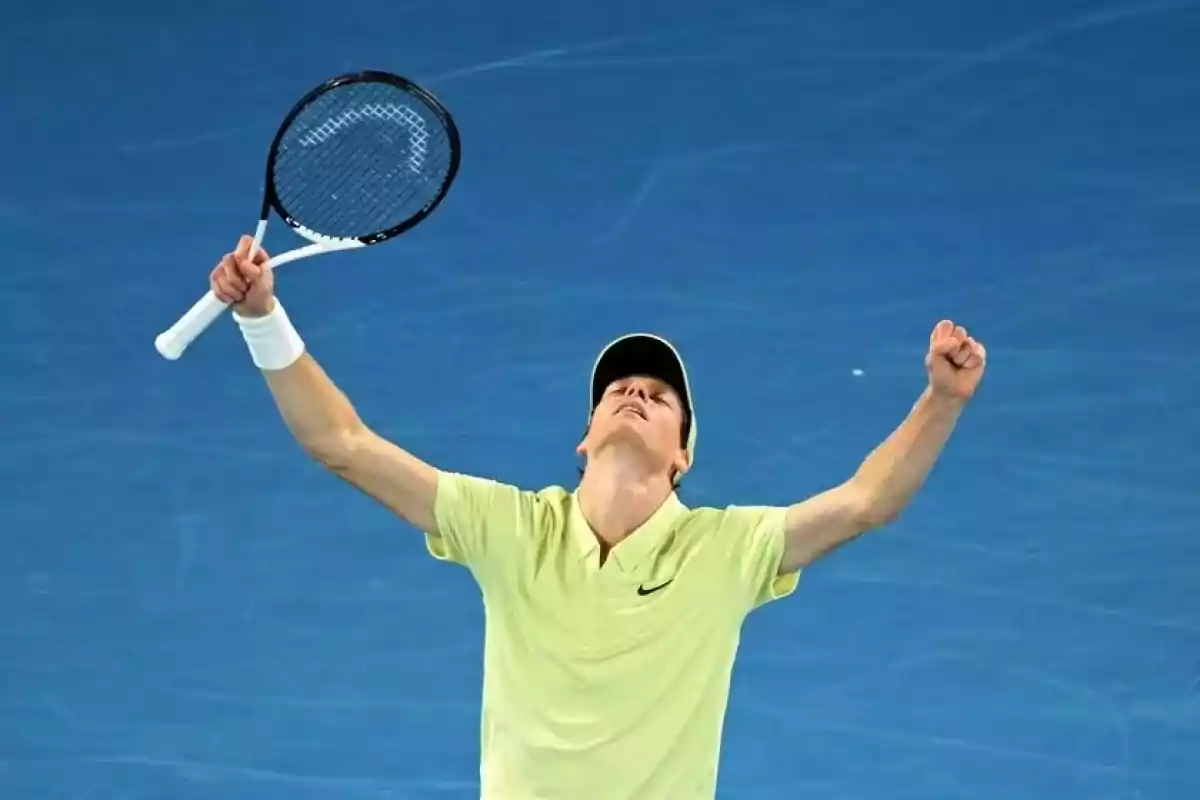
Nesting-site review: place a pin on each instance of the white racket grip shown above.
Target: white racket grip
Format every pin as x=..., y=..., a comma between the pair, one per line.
x=172, y=342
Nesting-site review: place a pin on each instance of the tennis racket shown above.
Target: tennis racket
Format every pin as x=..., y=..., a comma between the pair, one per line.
x=358, y=160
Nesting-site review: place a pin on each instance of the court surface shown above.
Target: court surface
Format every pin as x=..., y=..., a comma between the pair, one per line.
x=189, y=609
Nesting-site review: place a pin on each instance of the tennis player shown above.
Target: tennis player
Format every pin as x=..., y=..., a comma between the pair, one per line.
x=613, y=610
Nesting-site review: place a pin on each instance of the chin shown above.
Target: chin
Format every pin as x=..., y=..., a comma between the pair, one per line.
x=628, y=436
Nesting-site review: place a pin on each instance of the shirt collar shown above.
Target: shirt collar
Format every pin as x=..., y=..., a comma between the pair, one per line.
x=639, y=545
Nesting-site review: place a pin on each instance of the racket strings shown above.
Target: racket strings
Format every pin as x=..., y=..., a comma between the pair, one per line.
x=385, y=188
x=362, y=159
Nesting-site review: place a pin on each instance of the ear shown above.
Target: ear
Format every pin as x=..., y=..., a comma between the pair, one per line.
x=683, y=462
x=581, y=448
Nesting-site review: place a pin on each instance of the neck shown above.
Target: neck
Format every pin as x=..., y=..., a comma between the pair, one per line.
x=617, y=495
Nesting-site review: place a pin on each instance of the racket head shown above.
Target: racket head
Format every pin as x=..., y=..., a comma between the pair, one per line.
x=363, y=156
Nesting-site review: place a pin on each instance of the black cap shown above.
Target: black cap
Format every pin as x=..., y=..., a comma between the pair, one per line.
x=645, y=354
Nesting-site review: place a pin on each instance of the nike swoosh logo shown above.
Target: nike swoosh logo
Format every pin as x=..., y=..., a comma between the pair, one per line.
x=643, y=591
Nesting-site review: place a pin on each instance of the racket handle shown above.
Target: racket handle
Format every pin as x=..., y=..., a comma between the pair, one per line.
x=172, y=342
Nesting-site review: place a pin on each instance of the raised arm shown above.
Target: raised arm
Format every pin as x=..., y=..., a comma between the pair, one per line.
x=318, y=414
x=890, y=476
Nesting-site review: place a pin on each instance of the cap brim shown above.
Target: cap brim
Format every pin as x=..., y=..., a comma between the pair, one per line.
x=644, y=354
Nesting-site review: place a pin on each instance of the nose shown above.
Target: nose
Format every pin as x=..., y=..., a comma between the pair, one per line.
x=636, y=389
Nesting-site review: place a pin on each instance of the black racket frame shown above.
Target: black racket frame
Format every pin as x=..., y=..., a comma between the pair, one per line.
x=271, y=196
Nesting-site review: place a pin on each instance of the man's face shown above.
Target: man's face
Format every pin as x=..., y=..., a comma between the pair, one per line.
x=642, y=411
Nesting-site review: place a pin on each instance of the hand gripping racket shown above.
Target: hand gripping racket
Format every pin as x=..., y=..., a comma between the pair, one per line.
x=359, y=160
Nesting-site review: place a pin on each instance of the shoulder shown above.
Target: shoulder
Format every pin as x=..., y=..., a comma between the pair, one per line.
x=746, y=545
x=486, y=523
x=484, y=499
x=734, y=520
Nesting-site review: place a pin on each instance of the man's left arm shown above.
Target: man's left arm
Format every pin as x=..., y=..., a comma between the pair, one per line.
x=890, y=476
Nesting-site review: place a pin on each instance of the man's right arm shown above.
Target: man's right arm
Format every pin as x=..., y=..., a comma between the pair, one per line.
x=325, y=424
x=318, y=414
x=479, y=523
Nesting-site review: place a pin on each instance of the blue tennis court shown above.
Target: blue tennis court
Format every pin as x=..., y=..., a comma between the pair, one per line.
x=794, y=194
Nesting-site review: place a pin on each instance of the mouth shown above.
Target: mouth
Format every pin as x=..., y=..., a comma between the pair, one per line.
x=631, y=407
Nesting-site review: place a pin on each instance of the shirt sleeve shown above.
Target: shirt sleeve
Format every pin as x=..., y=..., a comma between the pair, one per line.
x=482, y=524
x=753, y=541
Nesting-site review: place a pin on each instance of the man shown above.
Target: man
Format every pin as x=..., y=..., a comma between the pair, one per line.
x=613, y=611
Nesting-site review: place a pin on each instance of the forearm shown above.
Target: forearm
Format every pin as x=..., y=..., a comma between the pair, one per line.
x=318, y=414
x=894, y=472
x=316, y=411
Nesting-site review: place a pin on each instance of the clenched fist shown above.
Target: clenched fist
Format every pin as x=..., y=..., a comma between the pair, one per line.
x=246, y=284
x=955, y=361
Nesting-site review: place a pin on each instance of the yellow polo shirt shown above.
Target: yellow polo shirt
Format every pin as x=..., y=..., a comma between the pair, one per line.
x=605, y=682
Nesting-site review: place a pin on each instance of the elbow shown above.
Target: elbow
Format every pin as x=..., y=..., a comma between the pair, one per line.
x=877, y=517
x=872, y=509
x=335, y=451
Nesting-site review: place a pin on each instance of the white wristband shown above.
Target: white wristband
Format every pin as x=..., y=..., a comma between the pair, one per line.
x=273, y=341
